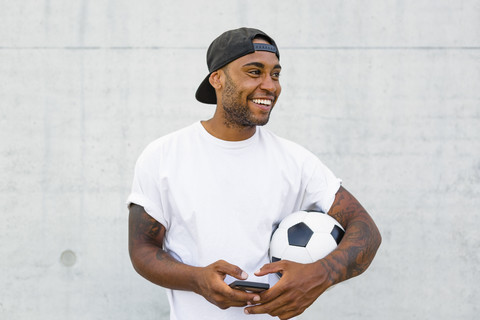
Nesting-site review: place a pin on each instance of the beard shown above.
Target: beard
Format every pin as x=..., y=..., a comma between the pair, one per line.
x=237, y=113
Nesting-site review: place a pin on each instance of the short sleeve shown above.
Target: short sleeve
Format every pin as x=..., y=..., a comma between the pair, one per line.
x=322, y=186
x=145, y=188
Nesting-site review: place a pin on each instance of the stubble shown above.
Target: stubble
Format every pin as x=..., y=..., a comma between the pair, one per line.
x=237, y=113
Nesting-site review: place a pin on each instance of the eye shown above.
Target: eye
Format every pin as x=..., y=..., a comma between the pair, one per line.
x=276, y=74
x=254, y=72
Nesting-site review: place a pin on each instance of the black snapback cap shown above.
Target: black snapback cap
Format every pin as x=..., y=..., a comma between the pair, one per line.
x=230, y=46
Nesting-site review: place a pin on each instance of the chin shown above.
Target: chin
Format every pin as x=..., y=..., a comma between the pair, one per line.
x=261, y=122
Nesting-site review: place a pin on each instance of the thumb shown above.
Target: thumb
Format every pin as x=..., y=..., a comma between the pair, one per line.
x=273, y=267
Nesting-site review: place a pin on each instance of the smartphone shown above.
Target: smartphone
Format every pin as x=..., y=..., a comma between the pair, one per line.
x=249, y=286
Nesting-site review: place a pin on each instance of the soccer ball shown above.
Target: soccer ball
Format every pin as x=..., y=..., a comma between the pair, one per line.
x=305, y=237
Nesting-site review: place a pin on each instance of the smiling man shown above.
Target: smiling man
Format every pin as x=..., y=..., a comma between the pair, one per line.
x=246, y=90
x=205, y=199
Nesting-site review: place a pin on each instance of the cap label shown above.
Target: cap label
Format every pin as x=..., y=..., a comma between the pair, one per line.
x=264, y=47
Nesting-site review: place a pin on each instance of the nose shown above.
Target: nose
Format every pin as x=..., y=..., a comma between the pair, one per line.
x=269, y=84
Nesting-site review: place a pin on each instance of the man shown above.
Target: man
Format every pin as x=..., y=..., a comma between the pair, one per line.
x=205, y=199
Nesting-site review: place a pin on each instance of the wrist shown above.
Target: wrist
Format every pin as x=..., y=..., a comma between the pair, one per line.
x=196, y=280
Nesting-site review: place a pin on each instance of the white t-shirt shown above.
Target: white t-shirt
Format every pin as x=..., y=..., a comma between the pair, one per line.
x=222, y=200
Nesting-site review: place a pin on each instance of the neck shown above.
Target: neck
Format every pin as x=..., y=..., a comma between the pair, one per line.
x=224, y=131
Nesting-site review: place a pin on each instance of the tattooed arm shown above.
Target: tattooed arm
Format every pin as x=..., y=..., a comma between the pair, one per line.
x=302, y=284
x=145, y=244
x=360, y=242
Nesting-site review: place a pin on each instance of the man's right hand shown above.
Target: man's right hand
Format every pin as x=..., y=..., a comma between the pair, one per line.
x=146, y=236
x=211, y=285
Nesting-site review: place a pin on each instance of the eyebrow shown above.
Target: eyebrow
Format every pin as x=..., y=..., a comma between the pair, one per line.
x=261, y=65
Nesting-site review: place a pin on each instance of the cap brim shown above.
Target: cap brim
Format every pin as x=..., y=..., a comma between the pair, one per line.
x=206, y=93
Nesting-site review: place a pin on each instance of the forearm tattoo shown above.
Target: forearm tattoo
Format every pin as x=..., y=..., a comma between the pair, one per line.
x=360, y=242
x=146, y=248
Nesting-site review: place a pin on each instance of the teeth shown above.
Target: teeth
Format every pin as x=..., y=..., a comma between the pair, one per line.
x=263, y=101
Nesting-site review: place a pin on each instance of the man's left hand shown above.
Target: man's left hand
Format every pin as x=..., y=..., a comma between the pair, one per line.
x=299, y=286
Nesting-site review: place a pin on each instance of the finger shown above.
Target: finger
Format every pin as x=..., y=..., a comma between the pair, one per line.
x=232, y=270
x=226, y=297
x=279, y=307
x=243, y=296
x=238, y=294
x=239, y=298
x=268, y=307
x=271, y=294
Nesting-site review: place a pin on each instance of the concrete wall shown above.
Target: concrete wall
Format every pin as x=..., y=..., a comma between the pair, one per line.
x=386, y=92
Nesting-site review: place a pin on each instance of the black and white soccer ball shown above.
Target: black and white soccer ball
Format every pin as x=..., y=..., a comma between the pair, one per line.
x=305, y=237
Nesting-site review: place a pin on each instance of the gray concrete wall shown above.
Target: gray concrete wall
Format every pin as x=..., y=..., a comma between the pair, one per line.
x=386, y=92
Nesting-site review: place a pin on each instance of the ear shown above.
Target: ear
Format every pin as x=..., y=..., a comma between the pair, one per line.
x=216, y=79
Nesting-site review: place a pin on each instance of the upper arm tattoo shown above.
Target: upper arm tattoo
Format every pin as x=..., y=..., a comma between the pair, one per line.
x=345, y=207
x=144, y=228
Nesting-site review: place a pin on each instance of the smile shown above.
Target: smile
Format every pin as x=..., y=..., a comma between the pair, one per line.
x=265, y=102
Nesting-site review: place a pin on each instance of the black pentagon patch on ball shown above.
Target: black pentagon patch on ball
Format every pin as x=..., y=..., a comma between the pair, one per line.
x=299, y=235
x=337, y=234
x=275, y=259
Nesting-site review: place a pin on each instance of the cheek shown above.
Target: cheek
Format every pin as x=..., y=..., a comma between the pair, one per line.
x=278, y=90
